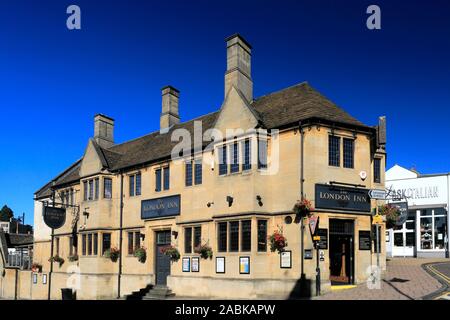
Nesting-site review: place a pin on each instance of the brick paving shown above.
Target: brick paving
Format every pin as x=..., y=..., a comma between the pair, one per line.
x=417, y=285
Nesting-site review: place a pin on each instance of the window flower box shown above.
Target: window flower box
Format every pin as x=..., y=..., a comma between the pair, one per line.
x=171, y=252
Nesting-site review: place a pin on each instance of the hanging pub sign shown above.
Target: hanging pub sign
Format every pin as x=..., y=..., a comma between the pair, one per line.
x=313, y=225
x=54, y=217
x=403, y=208
x=160, y=207
x=342, y=198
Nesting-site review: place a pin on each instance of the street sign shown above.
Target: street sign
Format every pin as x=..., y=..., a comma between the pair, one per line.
x=313, y=223
x=377, y=194
x=54, y=217
x=377, y=219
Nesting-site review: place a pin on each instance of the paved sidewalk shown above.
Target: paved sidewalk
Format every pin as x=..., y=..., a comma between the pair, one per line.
x=405, y=279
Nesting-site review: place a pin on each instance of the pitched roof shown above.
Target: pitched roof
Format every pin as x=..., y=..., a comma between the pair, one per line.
x=71, y=174
x=288, y=106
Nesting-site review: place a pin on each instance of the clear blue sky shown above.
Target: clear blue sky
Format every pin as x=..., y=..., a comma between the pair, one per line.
x=53, y=81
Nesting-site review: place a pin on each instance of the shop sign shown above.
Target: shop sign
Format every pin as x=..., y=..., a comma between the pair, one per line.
x=54, y=217
x=365, y=241
x=403, y=208
x=160, y=207
x=342, y=198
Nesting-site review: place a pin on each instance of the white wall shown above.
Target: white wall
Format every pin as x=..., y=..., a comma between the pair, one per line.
x=41, y=231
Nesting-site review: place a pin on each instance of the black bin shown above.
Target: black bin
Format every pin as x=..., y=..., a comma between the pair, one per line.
x=67, y=294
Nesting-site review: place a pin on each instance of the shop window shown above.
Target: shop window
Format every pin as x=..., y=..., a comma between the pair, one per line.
x=188, y=240
x=222, y=237
x=262, y=235
x=348, y=153
x=410, y=239
x=107, y=188
x=246, y=227
x=334, y=151
x=398, y=239
x=234, y=236
x=377, y=170
x=106, y=242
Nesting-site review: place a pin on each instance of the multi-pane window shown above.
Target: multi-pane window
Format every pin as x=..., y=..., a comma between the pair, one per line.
x=85, y=190
x=107, y=189
x=91, y=189
x=57, y=246
x=262, y=154
x=134, y=241
x=95, y=243
x=135, y=184
x=188, y=173
x=158, y=180
x=262, y=235
x=246, y=244
x=222, y=236
x=97, y=188
x=89, y=244
x=234, y=236
x=334, y=151
x=106, y=242
x=72, y=202
x=377, y=170
x=188, y=240
x=166, y=173
x=247, y=165
x=348, y=152
x=198, y=172
x=223, y=165
x=197, y=236
x=83, y=244
x=234, y=166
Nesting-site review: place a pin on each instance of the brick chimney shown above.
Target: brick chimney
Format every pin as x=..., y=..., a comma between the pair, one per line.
x=104, y=130
x=169, y=115
x=238, y=72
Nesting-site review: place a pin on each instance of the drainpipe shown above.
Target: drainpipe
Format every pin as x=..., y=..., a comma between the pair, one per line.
x=120, y=236
x=302, y=227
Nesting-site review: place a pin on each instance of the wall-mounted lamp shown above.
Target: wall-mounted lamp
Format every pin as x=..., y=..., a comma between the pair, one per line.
x=259, y=199
x=142, y=235
x=209, y=204
x=175, y=234
x=86, y=213
x=230, y=201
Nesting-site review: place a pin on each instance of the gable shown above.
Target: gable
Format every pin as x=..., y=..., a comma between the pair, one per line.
x=235, y=113
x=398, y=172
x=91, y=163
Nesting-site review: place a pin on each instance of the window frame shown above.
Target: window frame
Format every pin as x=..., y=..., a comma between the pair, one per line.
x=261, y=246
x=348, y=159
x=334, y=147
x=377, y=170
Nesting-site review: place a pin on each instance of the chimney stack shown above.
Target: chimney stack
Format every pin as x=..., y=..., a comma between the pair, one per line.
x=104, y=130
x=238, y=72
x=169, y=115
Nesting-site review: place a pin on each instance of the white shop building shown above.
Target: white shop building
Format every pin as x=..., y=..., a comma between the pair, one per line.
x=425, y=232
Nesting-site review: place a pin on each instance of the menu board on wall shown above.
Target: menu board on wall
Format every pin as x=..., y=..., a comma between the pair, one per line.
x=323, y=242
x=365, y=240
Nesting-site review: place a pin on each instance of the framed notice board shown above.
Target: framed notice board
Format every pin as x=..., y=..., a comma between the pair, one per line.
x=365, y=242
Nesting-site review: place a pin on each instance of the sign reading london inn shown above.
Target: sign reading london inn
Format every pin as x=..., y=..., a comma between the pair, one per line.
x=160, y=207
x=342, y=198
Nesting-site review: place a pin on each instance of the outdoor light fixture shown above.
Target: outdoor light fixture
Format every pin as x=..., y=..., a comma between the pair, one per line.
x=259, y=199
x=209, y=204
x=86, y=213
x=175, y=234
x=230, y=201
x=142, y=235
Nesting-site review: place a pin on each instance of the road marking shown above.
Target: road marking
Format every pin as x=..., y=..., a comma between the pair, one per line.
x=440, y=274
x=336, y=288
x=445, y=296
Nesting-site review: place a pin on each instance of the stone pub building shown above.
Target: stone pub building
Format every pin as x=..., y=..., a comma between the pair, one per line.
x=230, y=194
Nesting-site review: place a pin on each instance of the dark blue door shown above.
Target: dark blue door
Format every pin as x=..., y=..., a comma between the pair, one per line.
x=162, y=261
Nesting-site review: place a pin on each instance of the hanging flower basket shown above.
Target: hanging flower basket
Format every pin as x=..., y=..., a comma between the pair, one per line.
x=112, y=254
x=57, y=259
x=73, y=258
x=392, y=214
x=141, y=254
x=277, y=241
x=36, y=267
x=303, y=208
x=171, y=252
x=204, y=251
